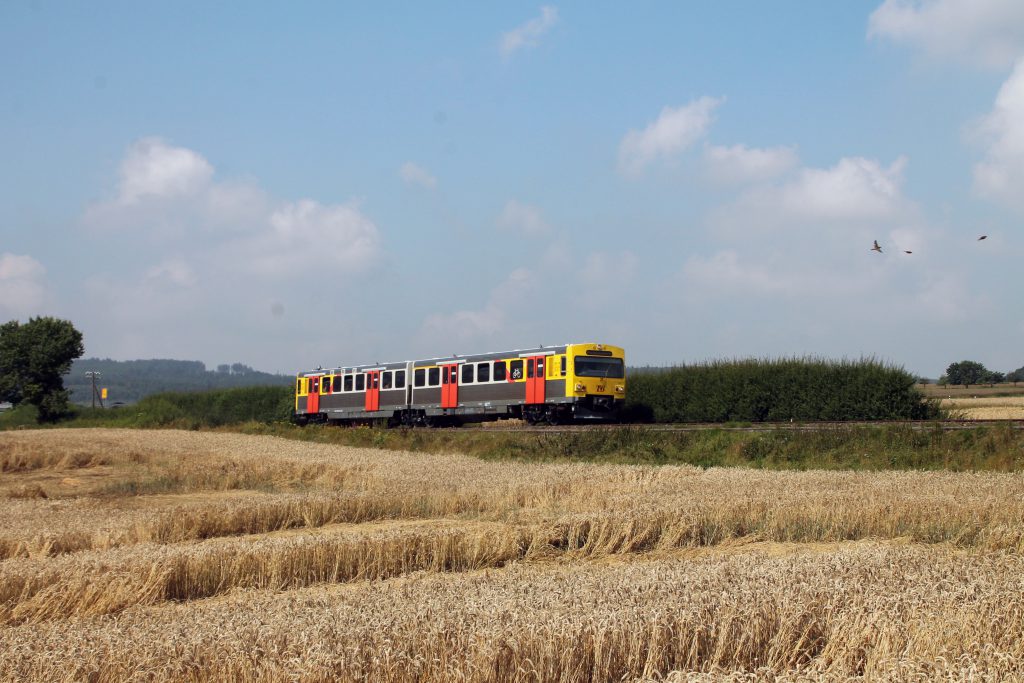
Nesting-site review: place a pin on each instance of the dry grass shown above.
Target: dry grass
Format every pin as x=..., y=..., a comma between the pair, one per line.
x=198, y=556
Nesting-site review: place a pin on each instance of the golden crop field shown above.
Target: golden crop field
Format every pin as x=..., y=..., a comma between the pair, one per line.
x=169, y=555
x=986, y=407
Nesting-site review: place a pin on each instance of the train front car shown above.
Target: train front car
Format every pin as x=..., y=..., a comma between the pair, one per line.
x=595, y=381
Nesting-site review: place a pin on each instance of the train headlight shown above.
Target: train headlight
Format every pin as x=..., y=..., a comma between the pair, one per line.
x=579, y=386
x=619, y=389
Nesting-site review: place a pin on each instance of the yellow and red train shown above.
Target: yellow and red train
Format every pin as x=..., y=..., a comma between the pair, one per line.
x=547, y=384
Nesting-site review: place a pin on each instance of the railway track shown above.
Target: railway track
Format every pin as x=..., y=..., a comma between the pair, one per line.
x=920, y=425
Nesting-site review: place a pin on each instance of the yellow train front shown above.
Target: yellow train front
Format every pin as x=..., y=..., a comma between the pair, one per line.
x=547, y=384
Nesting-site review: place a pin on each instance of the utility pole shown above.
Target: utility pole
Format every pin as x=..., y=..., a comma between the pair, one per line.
x=92, y=374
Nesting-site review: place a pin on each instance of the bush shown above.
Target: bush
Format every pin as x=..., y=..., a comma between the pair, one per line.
x=756, y=390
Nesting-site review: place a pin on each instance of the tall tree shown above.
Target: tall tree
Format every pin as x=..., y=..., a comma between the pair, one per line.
x=33, y=359
x=966, y=372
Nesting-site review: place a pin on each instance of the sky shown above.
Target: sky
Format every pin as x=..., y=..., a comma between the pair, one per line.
x=290, y=185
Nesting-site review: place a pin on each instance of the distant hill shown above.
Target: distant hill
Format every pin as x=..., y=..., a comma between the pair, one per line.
x=128, y=381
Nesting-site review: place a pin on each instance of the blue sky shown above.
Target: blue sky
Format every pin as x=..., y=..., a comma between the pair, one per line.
x=327, y=183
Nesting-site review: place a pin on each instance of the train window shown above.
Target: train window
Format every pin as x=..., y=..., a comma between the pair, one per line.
x=516, y=369
x=360, y=382
x=298, y=386
x=529, y=367
x=434, y=377
x=420, y=377
x=374, y=380
x=563, y=366
x=348, y=382
x=385, y=382
x=483, y=372
x=467, y=374
x=336, y=384
x=540, y=367
x=499, y=371
x=399, y=379
x=316, y=385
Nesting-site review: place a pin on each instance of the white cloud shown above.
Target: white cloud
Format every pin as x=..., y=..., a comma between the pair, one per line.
x=854, y=188
x=417, y=175
x=602, y=269
x=465, y=327
x=1000, y=176
x=309, y=233
x=523, y=219
x=855, y=193
x=175, y=272
x=987, y=33
x=802, y=246
x=204, y=268
x=237, y=206
x=725, y=274
x=741, y=164
x=153, y=168
x=23, y=290
x=528, y=34
x=170, y=194
x=674, y=131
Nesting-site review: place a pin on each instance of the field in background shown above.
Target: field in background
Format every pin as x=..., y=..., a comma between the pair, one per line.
x=142, y=554
x=985, y=407
x=973, y=391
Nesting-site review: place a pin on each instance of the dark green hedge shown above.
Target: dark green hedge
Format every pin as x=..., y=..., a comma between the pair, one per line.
x=213, y=408
x=765, y=390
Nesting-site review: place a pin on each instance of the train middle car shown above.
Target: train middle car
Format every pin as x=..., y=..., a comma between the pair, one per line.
x=549, y=384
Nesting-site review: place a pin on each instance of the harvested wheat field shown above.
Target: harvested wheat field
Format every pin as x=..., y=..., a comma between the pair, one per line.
x=169, y=555
x=986, y=407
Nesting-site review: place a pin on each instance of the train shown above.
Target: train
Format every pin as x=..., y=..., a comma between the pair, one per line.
x=542, y=385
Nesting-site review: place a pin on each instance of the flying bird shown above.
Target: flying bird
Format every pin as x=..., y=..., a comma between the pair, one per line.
x=876, y=247
x=907, y=251
x=982, y=237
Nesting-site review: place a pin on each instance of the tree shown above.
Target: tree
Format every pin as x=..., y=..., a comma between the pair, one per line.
x=1015, y=376
x=966, y=372
x=33, y=359
x=223, y=368
x=993, y=377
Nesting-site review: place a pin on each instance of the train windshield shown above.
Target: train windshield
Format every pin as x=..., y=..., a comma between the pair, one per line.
x=587, y=366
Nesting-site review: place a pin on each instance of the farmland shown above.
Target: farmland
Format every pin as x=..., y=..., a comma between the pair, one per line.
x=182, y=555
x=985, y=407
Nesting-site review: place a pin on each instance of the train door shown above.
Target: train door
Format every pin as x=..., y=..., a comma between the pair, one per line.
x=449, y=386
x=373, y=390
x=535, y=379
x=313, y=400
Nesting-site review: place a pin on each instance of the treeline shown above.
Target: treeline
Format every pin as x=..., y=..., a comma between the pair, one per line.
x=769, y=390
x=130, y=381
x=968, y=372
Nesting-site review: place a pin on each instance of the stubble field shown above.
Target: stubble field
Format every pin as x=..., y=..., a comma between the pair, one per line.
x=171, y=555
